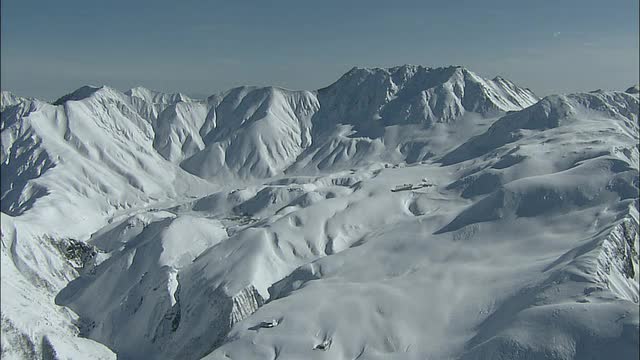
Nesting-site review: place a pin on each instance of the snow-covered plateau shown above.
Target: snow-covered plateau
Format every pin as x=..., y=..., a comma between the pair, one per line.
x=399, y=213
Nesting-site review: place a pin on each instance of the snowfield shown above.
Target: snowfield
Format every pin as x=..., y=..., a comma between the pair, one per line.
x=400, y=213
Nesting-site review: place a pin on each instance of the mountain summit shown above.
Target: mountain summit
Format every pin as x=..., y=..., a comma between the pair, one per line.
x=417, y=94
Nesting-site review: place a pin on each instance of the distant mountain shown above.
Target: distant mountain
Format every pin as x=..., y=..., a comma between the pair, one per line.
x=249, y=132
x=415, y=94
x=154, y=97
x=271, y=130
x=406, y=213
x=8, y=99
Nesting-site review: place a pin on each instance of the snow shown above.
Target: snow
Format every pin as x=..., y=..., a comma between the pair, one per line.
x=400, y=213
x=152, y=96
x=8, y=99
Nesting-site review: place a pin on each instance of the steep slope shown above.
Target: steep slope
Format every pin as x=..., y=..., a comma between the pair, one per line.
x=416, y=94
x=8, y=99
x=177, y=130
x=66, y=169
x=35, y=268
x=253, y=133
x=95, y=133
x=140, y=285
x=156, y=97
x=406, y=113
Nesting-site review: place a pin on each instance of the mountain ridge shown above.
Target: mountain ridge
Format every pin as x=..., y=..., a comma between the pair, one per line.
x=404, y=212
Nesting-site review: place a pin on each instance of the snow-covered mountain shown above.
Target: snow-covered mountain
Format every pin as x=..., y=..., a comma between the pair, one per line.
x=399, y=213
x=8, y=99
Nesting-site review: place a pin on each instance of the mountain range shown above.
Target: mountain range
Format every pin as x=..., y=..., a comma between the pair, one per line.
x=399, y=213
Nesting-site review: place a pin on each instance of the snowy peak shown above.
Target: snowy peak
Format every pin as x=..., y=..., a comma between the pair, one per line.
x=96, y=138
x=7, y=99
x=79, y=94
x=156, y=97
x=634, y=89
x=151, y=97
x=258, y=132
x=253, y=132
x=247, y=104
x=417, y=94
x=616, y=108
x=13, y=107
x=515, y=95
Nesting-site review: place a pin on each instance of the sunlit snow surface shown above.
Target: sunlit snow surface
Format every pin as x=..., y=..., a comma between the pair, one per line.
x=260, y=223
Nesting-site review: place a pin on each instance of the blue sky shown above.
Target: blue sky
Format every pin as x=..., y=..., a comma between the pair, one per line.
x=200, y=47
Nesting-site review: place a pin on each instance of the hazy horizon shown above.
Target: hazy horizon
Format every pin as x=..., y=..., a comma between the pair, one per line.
x=200, y=48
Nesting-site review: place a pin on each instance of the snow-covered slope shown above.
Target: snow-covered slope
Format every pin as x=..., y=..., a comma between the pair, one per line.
x=407, y=113
x=253, y=132
x=9, y=99
x=66, y=170
x=155, y=97
x=401, y=213
x=416, y=94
